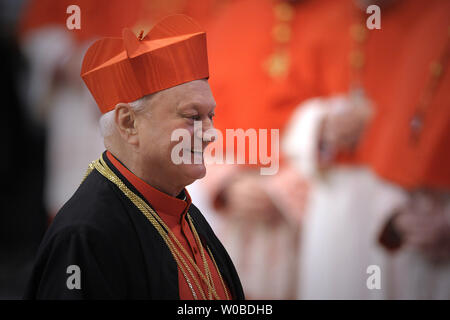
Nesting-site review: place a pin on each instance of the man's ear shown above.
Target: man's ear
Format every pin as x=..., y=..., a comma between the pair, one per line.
x=125, y=119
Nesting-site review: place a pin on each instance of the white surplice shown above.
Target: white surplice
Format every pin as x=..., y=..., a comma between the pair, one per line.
x=348, y=207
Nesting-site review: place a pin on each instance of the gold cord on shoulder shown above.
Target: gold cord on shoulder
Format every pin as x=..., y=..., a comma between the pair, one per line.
x=168, y=236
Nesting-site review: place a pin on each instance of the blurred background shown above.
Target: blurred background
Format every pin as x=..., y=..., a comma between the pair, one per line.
x=360, y=205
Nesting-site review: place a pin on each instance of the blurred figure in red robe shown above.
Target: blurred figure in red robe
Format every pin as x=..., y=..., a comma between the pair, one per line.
x=372, y=143
x=257, y=49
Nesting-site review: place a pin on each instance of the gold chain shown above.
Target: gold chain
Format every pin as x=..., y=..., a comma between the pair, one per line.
x=154, y=218
x=211, y=255
x=220, y=276
x=107, y=173
x=202, y=254
x=145, y=209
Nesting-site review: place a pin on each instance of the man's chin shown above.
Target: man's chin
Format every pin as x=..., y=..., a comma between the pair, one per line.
x=194, y=171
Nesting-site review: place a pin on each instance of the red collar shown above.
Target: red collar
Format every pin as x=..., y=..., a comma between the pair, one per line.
x=170, y=209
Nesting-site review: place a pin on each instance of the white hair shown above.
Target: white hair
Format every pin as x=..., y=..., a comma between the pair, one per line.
x=107, y=125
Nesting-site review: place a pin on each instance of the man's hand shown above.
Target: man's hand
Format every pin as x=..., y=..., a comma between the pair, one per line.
x=424, y=225
x=344, y=124
x=245, y=197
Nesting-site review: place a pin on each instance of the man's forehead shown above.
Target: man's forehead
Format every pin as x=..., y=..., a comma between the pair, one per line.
x=193, y=89
x=191, y=94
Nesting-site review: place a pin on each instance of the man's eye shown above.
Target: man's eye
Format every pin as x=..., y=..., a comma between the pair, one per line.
x=194, y=117
x=211, y=116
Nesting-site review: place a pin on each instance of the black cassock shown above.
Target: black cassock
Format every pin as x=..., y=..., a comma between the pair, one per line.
x=120, y=255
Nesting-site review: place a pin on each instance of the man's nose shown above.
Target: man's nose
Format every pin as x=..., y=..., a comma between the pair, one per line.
x=210, y=135
x=206, y=132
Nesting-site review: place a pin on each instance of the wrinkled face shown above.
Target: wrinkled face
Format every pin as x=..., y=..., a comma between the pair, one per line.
x=171, y=109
